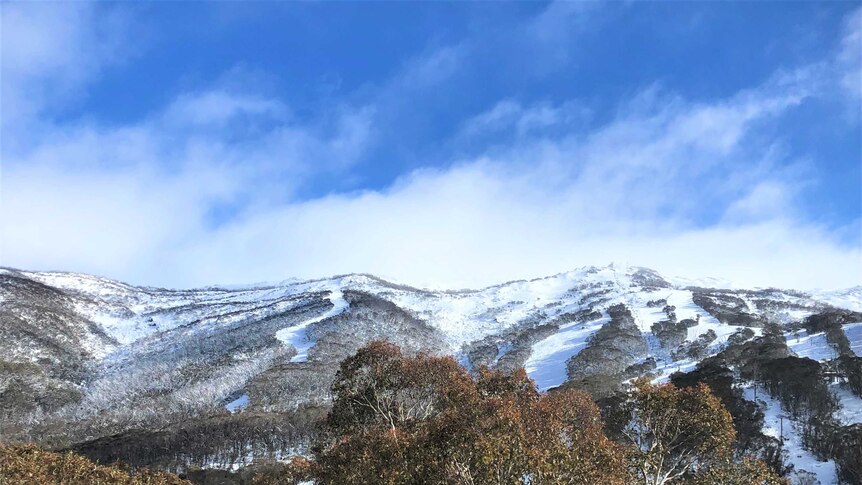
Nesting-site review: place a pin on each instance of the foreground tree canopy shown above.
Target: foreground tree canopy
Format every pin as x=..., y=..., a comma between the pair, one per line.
x=423, y=419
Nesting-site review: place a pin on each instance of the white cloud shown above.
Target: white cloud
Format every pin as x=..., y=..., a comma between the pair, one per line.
x=50, y=51
x=765, y=201
x=623, y=193
x=475, y=225
x=146, y=202
x=509, y=116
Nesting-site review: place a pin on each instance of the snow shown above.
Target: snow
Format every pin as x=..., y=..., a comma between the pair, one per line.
x=137, y=317
x=547, y=363
x=237, y=404
x=646, y=317
x=853, y=331
x=295, y=336
x=708, y=282
x=801, y=458
x=813, y=346
x=816, y=347
x=129, y=313
x=850, y=298
x=252, y=454
x=851, y=405
x=468, y=316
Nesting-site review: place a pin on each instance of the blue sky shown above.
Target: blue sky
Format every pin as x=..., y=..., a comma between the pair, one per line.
x=438, y=143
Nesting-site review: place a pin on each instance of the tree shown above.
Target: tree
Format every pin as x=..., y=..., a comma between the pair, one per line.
x=380, y=400
x=849, y=453
x=747, y=416
x=675, y=432
x=422, y=419
x=378, y=386
x=568, y=442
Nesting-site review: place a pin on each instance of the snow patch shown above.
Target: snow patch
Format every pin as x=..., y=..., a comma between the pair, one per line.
x=853, y=331
x=237, y=404
x=778, y=425
x=851, y=298
x=814, y=346
x=547, y=362
x=851, y=406
x=296, y=337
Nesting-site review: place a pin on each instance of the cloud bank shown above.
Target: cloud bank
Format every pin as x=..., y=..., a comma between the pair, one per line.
x=208, y=188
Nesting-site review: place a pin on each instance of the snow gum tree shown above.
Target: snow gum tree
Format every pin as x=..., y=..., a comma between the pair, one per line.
x=422, y=419
x=675, y=432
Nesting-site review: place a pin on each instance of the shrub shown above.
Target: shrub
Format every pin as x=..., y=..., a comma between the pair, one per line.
x=746, y=472
x=26, y=465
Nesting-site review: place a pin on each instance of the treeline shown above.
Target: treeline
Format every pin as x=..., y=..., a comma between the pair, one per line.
x=220, y=440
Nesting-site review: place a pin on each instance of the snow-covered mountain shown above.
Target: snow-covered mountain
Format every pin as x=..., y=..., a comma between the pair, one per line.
x=85, y=359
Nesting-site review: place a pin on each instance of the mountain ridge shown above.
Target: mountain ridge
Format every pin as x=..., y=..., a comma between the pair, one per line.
x=680, y=281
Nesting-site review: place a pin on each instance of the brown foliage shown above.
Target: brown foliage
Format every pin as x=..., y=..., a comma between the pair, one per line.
x=747, y=472
x=27, y=465
x=425, y=420
x=297, y=470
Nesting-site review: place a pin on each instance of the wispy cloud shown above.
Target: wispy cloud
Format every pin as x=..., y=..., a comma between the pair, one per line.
x=51, y=51
x=626, y=192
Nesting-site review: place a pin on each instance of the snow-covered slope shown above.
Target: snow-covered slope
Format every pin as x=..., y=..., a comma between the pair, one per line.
x=778, y=425
x=137, y=318
x=97, y=348
x=129, y=314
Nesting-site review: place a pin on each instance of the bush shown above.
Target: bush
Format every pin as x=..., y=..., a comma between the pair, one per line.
x=747, y=472
x=27, y=465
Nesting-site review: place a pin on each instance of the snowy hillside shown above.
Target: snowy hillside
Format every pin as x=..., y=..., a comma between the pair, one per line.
x=104, y=357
